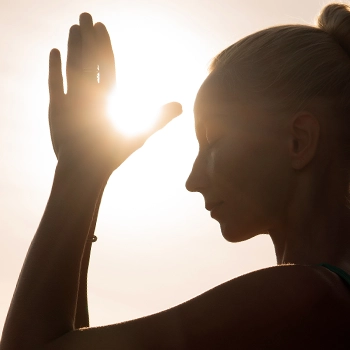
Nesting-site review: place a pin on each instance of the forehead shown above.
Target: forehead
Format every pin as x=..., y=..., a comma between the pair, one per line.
x=212, y=97
x=216, y=101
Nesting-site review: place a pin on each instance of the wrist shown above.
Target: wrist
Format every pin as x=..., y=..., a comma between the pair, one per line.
x=81, y=174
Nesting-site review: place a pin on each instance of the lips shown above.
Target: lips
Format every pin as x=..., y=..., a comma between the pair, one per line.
x=211, y=205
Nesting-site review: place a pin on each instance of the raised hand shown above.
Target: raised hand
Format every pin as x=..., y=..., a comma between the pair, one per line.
x=81, y=133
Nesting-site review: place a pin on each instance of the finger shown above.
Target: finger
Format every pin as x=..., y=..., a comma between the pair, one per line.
x=55, y=88
x=55, y=77
x=168, y=112
x=105, y=57
x=89, y=47
x=74, y=60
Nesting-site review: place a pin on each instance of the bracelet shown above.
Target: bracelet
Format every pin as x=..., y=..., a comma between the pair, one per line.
x=92, y=239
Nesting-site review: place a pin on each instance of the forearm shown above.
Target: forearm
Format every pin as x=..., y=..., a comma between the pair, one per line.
x=82, y=310
x=44, y=304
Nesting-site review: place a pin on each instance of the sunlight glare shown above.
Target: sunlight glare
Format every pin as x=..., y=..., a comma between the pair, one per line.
x=153, y=68
x=156, y=63
x=130, y=116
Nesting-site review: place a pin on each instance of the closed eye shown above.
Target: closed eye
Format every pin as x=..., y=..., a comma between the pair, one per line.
x=209, y=131
x=212, y=133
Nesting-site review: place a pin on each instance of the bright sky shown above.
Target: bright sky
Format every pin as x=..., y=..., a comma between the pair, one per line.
x=157, y=245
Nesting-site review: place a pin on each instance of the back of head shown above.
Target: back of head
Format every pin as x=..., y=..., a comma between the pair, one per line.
x=292, y=57
x=283, y=68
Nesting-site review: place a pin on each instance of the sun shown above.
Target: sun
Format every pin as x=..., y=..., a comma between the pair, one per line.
x=132, y=114
x=156, y=63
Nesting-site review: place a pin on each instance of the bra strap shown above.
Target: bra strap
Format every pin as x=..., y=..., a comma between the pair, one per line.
x=341, y=273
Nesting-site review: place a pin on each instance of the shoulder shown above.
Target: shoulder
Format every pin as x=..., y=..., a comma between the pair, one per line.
x=260, y=307
x=278, y=284
x=285, y=281
x=274, y=308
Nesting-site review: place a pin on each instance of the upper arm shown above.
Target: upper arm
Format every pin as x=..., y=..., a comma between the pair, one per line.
x=245, y=312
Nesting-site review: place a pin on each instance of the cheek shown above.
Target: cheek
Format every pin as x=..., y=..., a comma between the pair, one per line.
x=237, y=166
x=252, y=181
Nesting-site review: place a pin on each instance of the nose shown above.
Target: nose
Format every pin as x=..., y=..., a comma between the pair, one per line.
x=198, y=178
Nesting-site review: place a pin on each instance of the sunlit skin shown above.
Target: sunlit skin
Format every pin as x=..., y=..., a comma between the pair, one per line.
x=256, y=175
x=239, y=163
x=267, y=173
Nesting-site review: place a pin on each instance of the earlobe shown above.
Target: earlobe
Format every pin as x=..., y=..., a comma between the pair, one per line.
x=304, y=136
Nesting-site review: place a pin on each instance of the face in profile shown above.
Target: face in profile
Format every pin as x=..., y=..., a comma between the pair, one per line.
x=242, y=167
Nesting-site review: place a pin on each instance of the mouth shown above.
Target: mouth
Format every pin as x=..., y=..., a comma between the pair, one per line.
x=214, y=211
x=211, y=206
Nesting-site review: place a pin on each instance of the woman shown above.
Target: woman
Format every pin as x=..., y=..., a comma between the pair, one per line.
x=271, y=122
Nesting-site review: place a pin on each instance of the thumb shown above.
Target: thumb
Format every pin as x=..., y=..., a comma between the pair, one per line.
x=167, y=113
x=171, y=110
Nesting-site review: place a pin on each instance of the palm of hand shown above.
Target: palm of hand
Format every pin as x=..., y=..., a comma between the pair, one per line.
x=81, y=133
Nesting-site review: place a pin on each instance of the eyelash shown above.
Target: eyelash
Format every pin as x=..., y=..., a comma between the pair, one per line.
x=210, y=143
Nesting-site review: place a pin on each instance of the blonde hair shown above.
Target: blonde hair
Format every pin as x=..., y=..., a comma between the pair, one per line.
x=284, y=67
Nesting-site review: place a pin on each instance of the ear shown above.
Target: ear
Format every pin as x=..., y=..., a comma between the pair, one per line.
x=304, y=136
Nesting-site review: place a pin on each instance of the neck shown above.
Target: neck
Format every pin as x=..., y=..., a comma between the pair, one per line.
x=314, y=242
x=316, y=228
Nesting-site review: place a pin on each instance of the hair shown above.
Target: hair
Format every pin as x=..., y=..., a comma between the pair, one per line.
x=285, y=67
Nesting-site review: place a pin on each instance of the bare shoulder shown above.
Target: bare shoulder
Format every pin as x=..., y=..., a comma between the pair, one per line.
x=268, y=303
x=274, y=308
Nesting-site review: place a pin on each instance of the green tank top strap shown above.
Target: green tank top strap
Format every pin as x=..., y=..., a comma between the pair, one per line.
x=341, y=273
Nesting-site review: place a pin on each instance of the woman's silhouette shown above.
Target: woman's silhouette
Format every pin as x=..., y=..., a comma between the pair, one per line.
x=274, y=148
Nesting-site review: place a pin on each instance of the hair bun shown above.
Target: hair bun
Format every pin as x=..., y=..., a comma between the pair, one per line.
x=335, y=20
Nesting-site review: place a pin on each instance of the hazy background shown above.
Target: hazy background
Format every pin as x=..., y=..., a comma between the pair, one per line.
x=157, y=245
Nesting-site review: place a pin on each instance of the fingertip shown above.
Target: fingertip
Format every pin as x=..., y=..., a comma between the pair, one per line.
x=55, y=53
x=55, y=75
x=178, y=107
x=173, y=108
x=102, y=32
x=55, y=58
x=85, y=17
x=74, y=29
x=99, y=25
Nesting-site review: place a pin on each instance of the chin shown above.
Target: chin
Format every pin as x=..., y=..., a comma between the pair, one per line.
x=238, y=234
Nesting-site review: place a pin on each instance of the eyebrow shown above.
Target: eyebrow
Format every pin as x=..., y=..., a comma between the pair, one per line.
x=204, y=117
